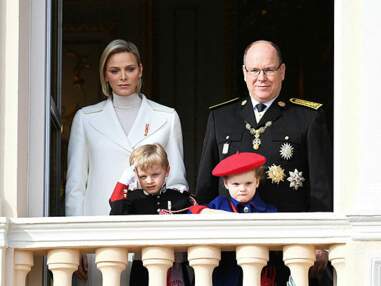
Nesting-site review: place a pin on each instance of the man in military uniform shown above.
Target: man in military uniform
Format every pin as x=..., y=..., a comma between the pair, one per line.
x=291, y=134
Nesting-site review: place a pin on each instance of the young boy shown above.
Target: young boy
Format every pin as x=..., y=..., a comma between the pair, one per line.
x=241, y=174
x=150, y=167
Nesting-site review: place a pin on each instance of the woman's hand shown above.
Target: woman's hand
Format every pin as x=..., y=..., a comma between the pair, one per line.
x=82, y=268
x=320, y=263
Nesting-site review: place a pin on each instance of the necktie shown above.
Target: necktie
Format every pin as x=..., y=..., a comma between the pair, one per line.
x=260, y=107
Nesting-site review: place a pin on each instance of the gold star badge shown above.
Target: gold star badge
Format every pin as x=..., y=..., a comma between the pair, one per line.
x=276, y=174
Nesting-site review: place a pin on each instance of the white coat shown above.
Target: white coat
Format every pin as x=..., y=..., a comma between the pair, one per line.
x=99, y=152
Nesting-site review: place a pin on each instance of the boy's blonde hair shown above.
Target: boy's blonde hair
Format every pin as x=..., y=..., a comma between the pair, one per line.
x=148, y=155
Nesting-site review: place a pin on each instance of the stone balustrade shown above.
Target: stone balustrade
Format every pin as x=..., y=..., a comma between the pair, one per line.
x=159, y=237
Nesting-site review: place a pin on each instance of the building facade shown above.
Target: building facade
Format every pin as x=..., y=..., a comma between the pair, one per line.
x=352, y=233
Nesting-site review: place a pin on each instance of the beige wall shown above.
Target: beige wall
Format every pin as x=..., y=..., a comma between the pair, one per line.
x=346, y=90
x=24, y=107
x=2, y=98
x=10, y=109
x=361, y=261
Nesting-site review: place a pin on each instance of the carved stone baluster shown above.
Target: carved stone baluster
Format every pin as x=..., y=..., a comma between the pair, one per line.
x=299, y=258
x=252, y=259
x=157, y=260
x=111, y=261
x=203, y=259
x=337, y=255
x=23, y=261
x=62, y=263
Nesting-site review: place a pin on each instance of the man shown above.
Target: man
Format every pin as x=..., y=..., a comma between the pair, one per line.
x=291, y=134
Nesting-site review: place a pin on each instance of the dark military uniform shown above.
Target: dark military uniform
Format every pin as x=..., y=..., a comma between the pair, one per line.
x=294, y=139
x=139, y=202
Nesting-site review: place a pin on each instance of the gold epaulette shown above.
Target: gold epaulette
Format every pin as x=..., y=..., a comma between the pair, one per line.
x=302, y=102
x=223, y=103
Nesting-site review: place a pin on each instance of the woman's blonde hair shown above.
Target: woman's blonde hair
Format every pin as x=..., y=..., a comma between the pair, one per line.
x=116, y=47
x=148, y=155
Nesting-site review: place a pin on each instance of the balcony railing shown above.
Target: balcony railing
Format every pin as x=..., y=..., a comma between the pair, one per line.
x=203, y=237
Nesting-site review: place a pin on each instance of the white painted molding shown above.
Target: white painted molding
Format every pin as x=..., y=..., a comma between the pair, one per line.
x=365, y=227
x=3, y=232
x=179, y=230
x=375, y=274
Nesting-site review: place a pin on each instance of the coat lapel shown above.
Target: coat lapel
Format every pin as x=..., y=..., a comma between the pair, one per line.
x=107, y=123
x=147, y=123
x=247, y=112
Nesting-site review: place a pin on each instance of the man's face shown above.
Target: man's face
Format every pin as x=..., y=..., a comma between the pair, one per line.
x=265, y=85
x=152, y=179
x=242, y=187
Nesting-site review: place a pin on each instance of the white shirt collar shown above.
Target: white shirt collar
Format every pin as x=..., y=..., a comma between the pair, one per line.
x=259, y=115
x=254, y=102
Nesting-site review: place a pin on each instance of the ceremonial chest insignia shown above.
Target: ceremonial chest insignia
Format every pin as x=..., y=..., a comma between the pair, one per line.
x=296, y=179
x=243, y=102
x=257, y=133
x=286, y=151
x=302, y=102
x=276, y=174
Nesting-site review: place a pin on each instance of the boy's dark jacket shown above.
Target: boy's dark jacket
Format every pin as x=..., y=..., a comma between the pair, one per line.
x=140, y=202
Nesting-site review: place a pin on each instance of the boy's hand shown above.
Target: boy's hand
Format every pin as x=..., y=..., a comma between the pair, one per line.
x=129, y=176
x=120, y=190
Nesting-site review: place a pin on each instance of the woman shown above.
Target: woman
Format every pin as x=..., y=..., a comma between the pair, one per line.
x=104, y=135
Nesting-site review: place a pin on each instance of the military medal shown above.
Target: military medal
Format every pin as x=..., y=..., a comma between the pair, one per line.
x=296, y=179
x=276, y=174
x=286, y=151
x=257, y=133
